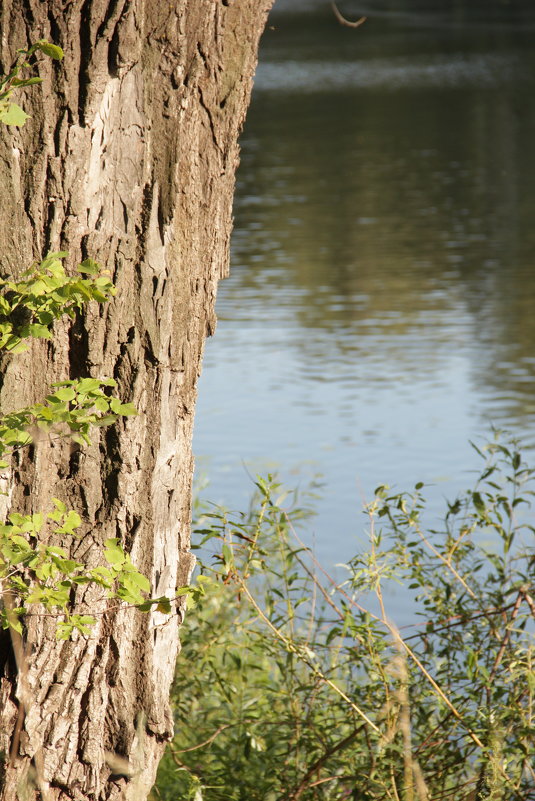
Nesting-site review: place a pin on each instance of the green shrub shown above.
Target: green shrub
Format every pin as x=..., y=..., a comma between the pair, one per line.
x=288, y=688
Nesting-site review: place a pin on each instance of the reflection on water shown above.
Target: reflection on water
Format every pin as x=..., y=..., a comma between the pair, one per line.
x=437, y=70
x=380, y=309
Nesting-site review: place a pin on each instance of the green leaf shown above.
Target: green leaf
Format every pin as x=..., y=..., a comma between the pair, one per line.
x=86, y=385
x=64, y=630
x=13, y=115
x=128, y=591
x=114, y=554
x=71, y=522
x=164, y=606
x=140, y=580
x=186, y=590
x=44, y=317
x=89, y=266
x=228, y=556
x=60, y=507
x=44, y=415
x=66, y=566
x=5, y=306
x=478, y=503
x=39, y=331
x=18, y=82
x=37, y=521
x=101, y=404
x=65, y=394
x=146, y=606
x=16, y=437
x=14, y=345
x=54, y=256
x=21, y=542
x=81, y=439
x=54, y=51
x=108, y=420
x=55, y=550
x=102, y=575
x=46, y=570
x=123, y=409
x=82, y=622
x=126, y=410
x=14, y=623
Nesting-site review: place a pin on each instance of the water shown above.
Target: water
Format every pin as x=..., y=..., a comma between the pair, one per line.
x=380, y=309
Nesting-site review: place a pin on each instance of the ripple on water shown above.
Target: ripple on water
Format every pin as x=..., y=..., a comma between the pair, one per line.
x=477, y=71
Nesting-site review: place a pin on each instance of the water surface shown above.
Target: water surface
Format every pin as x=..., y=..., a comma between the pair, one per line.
x=380, y=309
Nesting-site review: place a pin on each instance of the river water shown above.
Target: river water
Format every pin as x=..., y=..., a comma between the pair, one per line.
x=381, y=307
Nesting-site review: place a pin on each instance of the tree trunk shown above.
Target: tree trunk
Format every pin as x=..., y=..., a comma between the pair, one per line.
x=129, y=157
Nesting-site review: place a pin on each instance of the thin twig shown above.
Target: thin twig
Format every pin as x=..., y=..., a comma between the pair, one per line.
x=444, y=561
x=529, y=600
x=204, y=742
x=293, y=795
x=473, y=736
x=456, y=620
x=222, y=728
x=459, y=620
x=505, y=641
x=343, y=21
x=288, y=643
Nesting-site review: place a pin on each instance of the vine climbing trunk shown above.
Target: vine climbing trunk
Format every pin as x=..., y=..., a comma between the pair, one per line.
x=129, y=157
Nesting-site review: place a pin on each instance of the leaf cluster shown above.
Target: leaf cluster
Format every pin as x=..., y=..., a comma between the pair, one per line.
x=35, y=570
x=75, y=407
x=29, y=307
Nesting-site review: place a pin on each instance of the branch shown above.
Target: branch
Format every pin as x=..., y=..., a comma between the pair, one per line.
x=343, y=21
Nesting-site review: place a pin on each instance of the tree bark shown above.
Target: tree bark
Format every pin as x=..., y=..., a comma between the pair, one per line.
x=129, y=157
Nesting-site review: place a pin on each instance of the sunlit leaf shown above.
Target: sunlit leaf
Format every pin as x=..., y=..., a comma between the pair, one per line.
x=13, y=115
x=52, y=50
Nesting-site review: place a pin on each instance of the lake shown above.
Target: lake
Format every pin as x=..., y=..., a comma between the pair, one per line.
x=380, y=311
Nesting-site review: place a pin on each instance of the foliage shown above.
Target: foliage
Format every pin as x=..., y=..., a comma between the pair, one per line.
x=29, y=307
x=37, y=572
x=72, y=410
x=301, y=692
x=11, y=113
x=34, y=568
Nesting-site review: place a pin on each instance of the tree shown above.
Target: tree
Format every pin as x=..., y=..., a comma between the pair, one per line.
x=128, y=157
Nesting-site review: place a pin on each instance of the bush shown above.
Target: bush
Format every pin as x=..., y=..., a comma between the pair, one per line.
x=288, y=688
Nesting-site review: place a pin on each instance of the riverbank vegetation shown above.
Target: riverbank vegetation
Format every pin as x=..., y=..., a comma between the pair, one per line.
x=304, y=687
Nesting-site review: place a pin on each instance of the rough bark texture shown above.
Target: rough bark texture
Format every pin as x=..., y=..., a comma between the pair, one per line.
x=129, y=157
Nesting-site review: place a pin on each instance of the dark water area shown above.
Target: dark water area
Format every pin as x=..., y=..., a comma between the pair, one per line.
x=381, y=307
